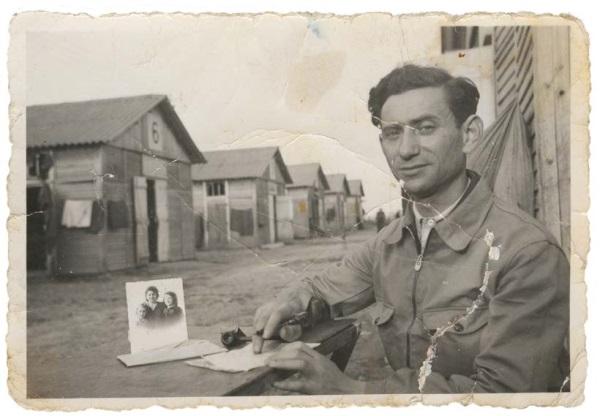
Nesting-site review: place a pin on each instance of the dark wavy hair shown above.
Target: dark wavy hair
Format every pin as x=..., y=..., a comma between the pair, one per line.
x=151, y=289
x=174, y=296
x=462, y=93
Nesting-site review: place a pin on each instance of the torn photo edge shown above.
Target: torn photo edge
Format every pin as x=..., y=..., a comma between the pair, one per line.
x=17, y=318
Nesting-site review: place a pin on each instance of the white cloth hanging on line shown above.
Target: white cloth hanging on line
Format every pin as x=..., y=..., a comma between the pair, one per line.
x=77, y=213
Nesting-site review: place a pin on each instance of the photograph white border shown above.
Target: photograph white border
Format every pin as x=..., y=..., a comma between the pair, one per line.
x=577, y=10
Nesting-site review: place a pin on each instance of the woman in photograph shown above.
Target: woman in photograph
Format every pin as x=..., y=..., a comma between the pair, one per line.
x=156, y=309
x=172, y=311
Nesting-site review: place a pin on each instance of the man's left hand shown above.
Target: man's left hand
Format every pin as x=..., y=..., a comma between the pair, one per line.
x=317, y=374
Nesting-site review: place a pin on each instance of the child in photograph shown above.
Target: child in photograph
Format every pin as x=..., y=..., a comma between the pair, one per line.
x=141, y=314
x=172, y=311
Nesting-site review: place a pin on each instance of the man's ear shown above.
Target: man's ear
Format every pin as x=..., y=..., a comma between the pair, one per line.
x=472, y=132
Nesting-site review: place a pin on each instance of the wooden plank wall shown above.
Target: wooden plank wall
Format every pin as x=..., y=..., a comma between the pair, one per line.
x=352, y=211
x=274, y=172
x=170, y=163
x=241, y=194
x=513, y=71
x=187, y=216
x=262, y=211
x=77, y=164
x=78, y=251
x=531, y=66
x=181, y=212
x=131, y=138
x=552, y=109
x=171, y=150
x=119, y=244
x=301, y=204
x=334, y=201
x=199, y=200
x=217, y=225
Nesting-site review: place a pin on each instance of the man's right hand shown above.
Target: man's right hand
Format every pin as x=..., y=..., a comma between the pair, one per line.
x=269, y=317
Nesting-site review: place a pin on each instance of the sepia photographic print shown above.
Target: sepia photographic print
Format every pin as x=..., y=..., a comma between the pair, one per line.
x=155, y=311
x=362, y=210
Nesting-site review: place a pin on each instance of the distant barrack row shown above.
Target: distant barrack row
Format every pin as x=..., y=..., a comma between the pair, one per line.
x=118, y=183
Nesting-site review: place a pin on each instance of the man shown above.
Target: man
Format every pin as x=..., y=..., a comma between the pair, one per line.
x=470, y=294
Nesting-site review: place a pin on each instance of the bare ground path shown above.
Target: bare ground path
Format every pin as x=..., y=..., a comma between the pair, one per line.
x=78, y=325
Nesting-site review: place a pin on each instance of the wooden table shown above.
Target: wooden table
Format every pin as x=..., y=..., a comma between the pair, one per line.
x=177, y=379
x=336, y=337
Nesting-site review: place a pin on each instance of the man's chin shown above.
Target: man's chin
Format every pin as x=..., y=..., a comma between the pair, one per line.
x=416, y=190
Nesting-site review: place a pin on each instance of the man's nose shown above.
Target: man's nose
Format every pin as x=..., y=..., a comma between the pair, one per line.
x=408, y=146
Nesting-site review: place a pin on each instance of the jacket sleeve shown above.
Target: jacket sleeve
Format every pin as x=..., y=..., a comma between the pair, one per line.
x=346, y=286
x=525, y=335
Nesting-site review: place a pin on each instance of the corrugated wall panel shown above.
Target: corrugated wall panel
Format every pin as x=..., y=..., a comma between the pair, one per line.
x=531, y=66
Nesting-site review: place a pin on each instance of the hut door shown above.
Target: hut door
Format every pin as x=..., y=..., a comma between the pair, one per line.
x=162, y=216
x=315, y=222
x=36, y=233
x=140, y=204
x=272, y=219
x=285, y=216
x=152, y=222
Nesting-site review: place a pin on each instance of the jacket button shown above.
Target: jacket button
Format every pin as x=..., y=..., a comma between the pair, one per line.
x=458, y=327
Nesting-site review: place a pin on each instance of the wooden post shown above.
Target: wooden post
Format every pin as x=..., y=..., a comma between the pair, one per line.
x=205, y=214
x=227, y=213
x=549, y=75
x=142, y=255
x=162, y=214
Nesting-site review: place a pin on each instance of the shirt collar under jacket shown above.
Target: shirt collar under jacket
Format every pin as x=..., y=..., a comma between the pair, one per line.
x=459, y=227
x=440, y=215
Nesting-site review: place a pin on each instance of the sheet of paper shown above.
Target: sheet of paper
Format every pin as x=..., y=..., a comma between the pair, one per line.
x=189, y=349
x=242, y=359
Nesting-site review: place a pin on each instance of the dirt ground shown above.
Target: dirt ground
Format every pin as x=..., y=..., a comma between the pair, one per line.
x=76, y=324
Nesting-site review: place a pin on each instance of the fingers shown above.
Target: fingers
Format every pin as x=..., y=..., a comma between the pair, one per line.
x=268, y=318
x=257, y=343
x=261, y=316
x=292, y=385
x=260, y=320
x=275, y=318
x=296, y=356
x=297, y=349
x=288, y=364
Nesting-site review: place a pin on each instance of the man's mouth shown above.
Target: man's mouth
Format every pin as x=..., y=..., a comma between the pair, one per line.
x=410, y=169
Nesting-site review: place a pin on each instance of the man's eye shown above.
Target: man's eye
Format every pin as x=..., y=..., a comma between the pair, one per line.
x=426, y=130
x=392, y=131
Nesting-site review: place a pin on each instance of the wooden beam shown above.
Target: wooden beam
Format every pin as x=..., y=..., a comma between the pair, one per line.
x=545, y=69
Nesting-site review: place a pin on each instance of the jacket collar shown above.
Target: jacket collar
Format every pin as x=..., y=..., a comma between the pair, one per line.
x=459, y=228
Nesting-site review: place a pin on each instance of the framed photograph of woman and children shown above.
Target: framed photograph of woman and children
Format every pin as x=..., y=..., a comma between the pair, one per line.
x=156, y=312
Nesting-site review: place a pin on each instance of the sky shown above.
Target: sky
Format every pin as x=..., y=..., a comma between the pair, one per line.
x=299, y=82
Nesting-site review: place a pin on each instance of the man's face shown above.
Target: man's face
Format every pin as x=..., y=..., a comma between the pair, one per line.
x=428, y=154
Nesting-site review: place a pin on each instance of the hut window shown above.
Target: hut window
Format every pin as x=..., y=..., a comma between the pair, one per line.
x=216, y=188
x=242, y=221
x=32, y=166
x=455, y=38
x=39, y=165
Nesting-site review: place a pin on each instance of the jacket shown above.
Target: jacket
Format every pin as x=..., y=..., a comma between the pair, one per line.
x=484, y=307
